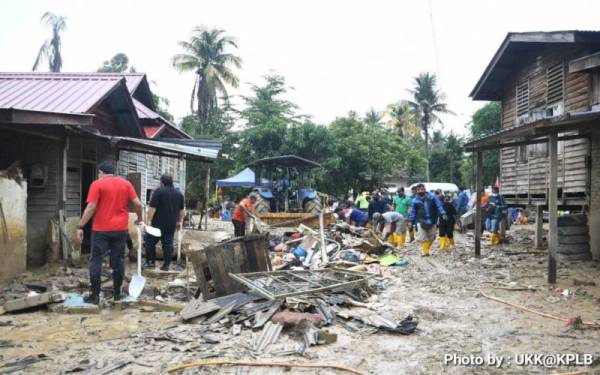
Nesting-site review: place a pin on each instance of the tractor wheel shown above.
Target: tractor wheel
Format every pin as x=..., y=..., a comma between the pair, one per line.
x=312, y=206
x=262, y=205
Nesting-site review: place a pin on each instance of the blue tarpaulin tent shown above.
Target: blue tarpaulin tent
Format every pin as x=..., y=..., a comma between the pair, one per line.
x=244, y=178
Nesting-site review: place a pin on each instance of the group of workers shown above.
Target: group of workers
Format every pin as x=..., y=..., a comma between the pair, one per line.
x=422, y=216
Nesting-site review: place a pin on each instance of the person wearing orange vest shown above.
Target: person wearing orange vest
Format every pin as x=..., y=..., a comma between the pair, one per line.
x=241, y=213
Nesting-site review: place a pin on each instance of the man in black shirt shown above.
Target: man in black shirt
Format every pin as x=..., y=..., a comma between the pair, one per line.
x=166, y=212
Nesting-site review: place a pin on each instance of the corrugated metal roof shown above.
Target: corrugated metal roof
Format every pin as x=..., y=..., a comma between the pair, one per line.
x=145, y=112
x=52, y=93
x=60, y=92
x=190, y=151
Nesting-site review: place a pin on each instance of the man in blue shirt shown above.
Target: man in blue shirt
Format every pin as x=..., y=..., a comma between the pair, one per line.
x=377, y=204
x=425, y=209
x=462, y=202
x=353, y=217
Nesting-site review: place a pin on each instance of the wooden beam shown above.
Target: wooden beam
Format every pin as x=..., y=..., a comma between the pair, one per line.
x=207, y=197
x=553, y=208
x=539, y=225
x=524, y=143
x=479, y=190
x=585, y=63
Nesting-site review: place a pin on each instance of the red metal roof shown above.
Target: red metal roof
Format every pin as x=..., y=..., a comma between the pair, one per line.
x=60, y=92
x=152, y=130
x=53, y=93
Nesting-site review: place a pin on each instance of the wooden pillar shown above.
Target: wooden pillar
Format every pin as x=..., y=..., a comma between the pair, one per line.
x=539, y=225
x=479, y=192
x=207, y=196
x=64, y=156
x=553, y=208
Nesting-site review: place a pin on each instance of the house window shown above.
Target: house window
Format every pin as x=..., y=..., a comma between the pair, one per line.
x=522, y=99
x=595, y=98
x=522, y=153
x=539, y=150
x=555, y=83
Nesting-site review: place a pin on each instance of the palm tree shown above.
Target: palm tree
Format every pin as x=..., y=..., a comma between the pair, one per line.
x=205, y=55
x=372, y=117
x=50, y=50
x=428, y=103
x=401, y=118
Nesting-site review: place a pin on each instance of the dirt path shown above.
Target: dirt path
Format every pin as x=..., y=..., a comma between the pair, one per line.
x=442, y=291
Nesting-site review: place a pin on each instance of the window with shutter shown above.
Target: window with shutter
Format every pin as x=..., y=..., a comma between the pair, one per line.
x=555, y=83
x=523, y=99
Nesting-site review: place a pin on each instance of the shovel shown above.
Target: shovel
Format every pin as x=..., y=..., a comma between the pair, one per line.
x=136, y=286
x=179, y=238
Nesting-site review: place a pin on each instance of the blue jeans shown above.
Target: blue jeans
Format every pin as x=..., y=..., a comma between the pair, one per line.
x=103, y=243
x=166, y=240
x=492, y=224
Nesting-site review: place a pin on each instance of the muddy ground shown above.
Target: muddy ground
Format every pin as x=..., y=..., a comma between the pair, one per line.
x=442, y=291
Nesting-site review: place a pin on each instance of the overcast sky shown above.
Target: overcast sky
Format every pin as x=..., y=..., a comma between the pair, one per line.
x=338, y=55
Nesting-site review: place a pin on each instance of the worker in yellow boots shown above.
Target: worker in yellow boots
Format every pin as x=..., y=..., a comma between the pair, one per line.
x=447, y=226
x=425, y=209
x=494, y=208
x=388, y=224
x=411, y=228
x=401, y=206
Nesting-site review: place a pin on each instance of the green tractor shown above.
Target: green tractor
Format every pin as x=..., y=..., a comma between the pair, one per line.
x=288, y=187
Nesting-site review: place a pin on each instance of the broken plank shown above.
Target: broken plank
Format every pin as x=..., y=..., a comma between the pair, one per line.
x=198, y=307
x=221, y=313
x=264, y=317
x=32, y=301
x=176, y=307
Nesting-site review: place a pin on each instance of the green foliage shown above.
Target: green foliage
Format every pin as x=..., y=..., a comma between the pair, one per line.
x=267, y=116
x=485, y=121
x=162, y=106
x=119, y=63
x=372, y=117
x=362, y=154
x=446, y=158
x=428, y=103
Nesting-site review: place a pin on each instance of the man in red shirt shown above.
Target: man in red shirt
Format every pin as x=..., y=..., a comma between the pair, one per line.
x=108, y=199
x=243, y=209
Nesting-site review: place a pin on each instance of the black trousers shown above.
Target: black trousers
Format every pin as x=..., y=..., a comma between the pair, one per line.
x=112, y=242
x=239, y=228
x=447, y=228
x=166, y=239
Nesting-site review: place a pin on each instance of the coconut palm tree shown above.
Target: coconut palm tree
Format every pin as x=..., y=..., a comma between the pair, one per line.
x=401, y=118
x=205, y=55
x=428, y=103
x=50, y=50
x=372, y=117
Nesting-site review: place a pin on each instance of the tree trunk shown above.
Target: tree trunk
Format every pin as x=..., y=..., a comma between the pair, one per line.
x=199, y=100
x=426, y=126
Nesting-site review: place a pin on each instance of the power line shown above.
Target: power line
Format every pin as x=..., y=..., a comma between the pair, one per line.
x=435, y=48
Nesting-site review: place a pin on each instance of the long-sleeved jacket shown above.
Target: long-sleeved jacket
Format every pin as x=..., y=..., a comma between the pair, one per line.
x=495, y=205
x=426, y=210
x=463, y=201
x=450, y=212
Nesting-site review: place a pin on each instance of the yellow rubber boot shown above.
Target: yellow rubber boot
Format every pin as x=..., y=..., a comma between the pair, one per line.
x=499, y=239
x=401, y=240
x=492, y=239
x=442, y=244
x=391, y=238
x=452, y=244
x=426, y=245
